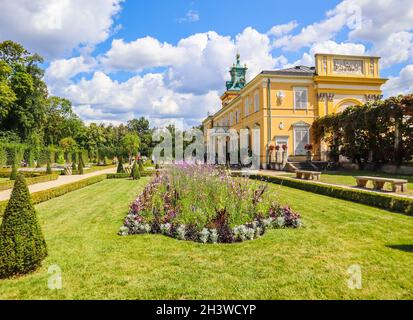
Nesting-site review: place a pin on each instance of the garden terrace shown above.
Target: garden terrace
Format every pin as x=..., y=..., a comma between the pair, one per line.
x=98, y=264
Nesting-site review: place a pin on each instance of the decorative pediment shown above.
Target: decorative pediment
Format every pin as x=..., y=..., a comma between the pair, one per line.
x=300, y=124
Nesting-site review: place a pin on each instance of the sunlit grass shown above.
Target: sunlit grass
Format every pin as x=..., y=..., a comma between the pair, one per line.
x=311, y=262
x=346, y=178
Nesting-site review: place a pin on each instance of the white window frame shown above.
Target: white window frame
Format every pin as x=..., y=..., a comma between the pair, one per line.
x=302, y=128
x=246, y=106
x=300, y=107
x=256, y=102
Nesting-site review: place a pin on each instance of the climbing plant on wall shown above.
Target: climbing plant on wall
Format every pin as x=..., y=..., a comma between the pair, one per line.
x=377, y=132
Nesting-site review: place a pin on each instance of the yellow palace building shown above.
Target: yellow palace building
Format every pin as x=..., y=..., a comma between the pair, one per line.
x=283, y=104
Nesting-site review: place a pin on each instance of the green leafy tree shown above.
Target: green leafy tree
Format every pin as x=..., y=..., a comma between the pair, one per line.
x=141, y=127
x=27, y=111
x=130, y=144
x=68, y=144
x=22, y=245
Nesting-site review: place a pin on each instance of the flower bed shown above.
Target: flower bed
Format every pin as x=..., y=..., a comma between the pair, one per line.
x=200, y=203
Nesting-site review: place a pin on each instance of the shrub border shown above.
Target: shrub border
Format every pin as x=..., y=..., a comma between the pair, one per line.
x=8, y=184
x=392, y=203
x=44, y=195
x=117, y=175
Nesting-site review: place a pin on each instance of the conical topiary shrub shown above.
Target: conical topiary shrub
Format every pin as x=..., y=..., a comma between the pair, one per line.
x=80, y=168
x=141, y=168
x=13, y=174
x=48, y=168
x=135, y=173
x=22, y=245
x=120, y=167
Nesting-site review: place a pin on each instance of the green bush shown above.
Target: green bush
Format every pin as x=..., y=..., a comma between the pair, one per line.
x=8, y=184
x=22, y=245
x=80, y=168
x=74, y=168
x=392, y=203
x=13, y=174
x=118, y=175
x=135, y=173
x=120, y=167
x=48, y=168
x=48, y=194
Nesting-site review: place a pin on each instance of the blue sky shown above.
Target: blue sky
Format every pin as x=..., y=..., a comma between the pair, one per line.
x=169, y=60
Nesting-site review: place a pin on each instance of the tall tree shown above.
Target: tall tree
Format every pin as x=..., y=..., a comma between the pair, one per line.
x=141, y=127
x=26, y=112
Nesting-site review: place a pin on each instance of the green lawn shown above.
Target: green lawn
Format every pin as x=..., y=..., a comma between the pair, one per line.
x=346, y=178
x=311, y=262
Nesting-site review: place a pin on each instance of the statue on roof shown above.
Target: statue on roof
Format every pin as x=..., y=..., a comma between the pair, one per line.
x=237, y=73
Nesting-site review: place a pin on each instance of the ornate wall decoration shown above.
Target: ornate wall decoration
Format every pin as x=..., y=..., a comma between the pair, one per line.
x=348, y=66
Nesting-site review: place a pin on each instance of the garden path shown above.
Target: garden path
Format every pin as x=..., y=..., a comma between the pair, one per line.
x=62, y=180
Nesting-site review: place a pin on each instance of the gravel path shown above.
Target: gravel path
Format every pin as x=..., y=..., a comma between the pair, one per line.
x=62, y=180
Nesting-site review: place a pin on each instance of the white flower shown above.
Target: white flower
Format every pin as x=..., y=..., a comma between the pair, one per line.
x=250, y=232
x=204, y=235
x=267, y=222
x=123, y=231
x=213, y=236
x=180, y=232
x=280, y=222
x=165, y=228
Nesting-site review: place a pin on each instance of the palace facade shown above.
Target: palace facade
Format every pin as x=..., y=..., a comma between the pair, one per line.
x=283, y=104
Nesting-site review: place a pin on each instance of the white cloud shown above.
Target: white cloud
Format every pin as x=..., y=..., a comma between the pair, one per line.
x=65, y=69
x=141, y=54
x=384, y=24
x=402, y=84
x=331, y=47
x=197, y=63
x=282, y=29
x=102, y=98
x=54, y=28
x=313, y=33
x=396, y=48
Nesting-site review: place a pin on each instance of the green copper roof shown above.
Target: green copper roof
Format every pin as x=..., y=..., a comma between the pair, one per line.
x=237, y=73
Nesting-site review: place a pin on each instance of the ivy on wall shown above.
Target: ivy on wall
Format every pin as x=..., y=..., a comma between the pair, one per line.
x=377, y=132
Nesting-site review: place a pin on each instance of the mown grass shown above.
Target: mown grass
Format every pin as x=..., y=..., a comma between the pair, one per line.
x=346, y=178
x=309, y=263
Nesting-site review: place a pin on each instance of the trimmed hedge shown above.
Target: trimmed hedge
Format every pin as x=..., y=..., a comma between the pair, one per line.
x=48, y=194
x=392, y=203
x=8, y=184
x=91, y=169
